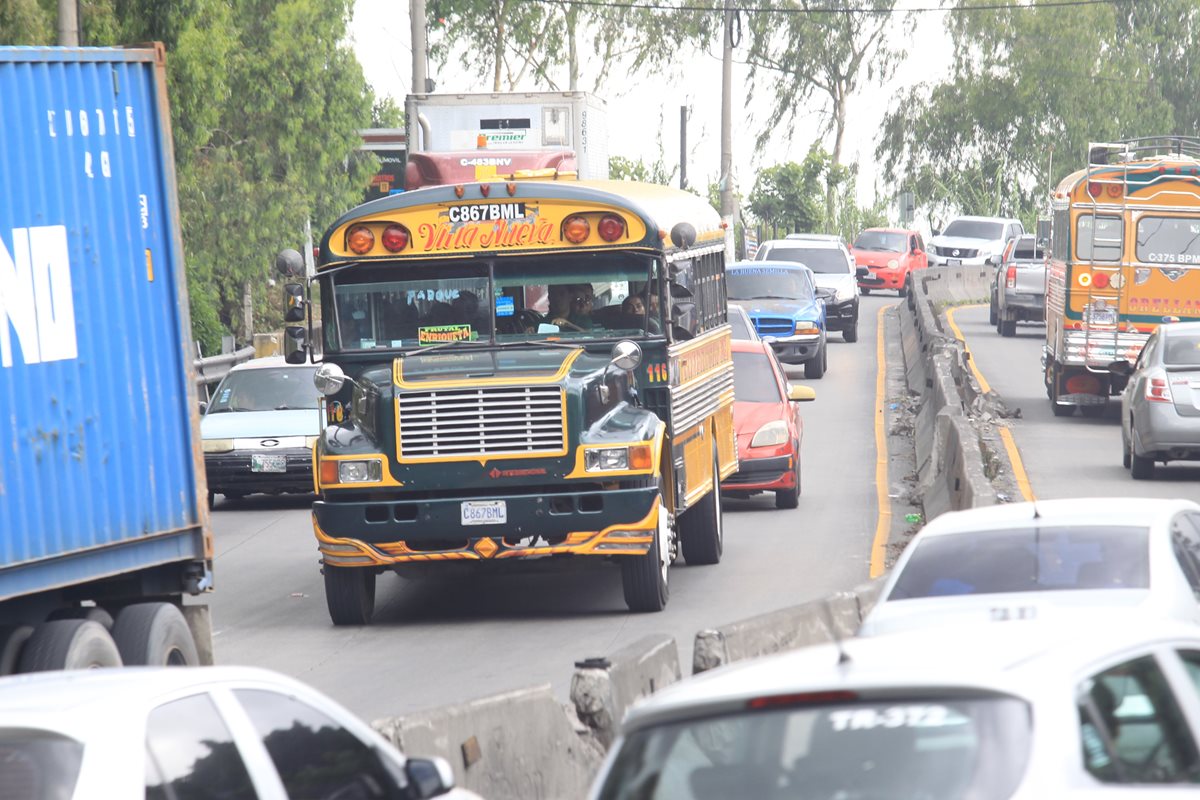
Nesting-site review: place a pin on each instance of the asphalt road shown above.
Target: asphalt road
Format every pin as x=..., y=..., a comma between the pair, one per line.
x=1063, y=456
x=440, y=641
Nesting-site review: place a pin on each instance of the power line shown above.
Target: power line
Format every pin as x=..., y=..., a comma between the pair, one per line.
x=837, y=9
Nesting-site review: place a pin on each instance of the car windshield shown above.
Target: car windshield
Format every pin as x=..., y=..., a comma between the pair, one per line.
x=1033, y=559
x=266, y=389
x=975, y=229
x=925, y=748
x=1182, y=350
x=881, y=240
x=768, y=283
x=740, y=322
x=824, y=260
x=592, y=296
x=754, y=379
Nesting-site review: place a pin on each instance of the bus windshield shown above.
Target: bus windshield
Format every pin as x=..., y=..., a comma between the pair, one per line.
x=596, y=296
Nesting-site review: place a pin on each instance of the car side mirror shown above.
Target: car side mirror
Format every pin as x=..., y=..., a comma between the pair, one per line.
x=295, y=337
x=800, y=394
x=1122, y=368
x=862, y=272
x=936, y=231
x=429, y=777
x=993, y=261
x=203, y=407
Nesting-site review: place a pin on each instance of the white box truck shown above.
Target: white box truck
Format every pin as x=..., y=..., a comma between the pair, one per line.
x=512, y=121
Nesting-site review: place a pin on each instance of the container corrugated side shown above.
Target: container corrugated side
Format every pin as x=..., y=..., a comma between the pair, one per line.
x=97, y=411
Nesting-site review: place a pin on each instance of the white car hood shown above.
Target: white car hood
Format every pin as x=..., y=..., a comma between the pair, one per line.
x=980, y=609
x=841, y=282
x=259, y=424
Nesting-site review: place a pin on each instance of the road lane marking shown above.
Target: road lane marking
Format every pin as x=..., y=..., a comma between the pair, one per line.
x=1010, y=444
x=883, y=525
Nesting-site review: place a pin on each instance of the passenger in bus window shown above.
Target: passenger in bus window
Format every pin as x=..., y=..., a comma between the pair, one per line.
x=633, y=305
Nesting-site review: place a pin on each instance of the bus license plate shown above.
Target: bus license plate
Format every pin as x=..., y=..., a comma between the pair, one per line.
x=261, y=463
x=484, y=512
x=1102, y=317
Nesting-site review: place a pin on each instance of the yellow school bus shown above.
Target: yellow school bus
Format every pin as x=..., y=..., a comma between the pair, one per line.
x=521, y=370
x=1124, y=258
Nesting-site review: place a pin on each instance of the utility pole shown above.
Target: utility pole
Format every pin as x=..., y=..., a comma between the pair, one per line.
x=68, y=23
x=727, y=202
x=420, y=78
x=683, y=147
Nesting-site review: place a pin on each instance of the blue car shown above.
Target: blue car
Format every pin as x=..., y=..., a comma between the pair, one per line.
x=781, y=298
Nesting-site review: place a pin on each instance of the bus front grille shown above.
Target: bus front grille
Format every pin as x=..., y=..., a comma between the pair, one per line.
x=484, y=421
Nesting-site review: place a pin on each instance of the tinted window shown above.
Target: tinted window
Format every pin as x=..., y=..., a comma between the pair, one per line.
x=1182, y=349
x=316, y=757
x=824, y=260
x=37, y=765
x=754, y=379
x=1168, y=240
x=768, y=283
x=1131, y=727
x=1106, y=244
x=1027, y=249
x=191, y=755
x=881, y=240
x=741, y=326
x=266, y=390
x=975, y=229
x=1027, y=560
x=929, y=749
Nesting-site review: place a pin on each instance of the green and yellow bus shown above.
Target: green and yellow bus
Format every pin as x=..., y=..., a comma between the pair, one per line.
x=520, y=370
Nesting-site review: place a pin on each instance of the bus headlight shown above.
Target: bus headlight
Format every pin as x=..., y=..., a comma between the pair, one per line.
x=616, y=459
x=356, y=471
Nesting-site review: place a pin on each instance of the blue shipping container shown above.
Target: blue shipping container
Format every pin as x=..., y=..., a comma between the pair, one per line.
x=98, y=414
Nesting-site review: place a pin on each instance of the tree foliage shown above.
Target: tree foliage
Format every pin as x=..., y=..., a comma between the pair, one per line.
x=791, y=197
x=266, y=101
x=631, y=169
x=1030, y=85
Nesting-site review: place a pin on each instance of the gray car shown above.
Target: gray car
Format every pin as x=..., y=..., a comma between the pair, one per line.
x=1160, y=407
x=1019, y=290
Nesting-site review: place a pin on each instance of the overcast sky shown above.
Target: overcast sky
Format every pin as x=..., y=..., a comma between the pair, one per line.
x=645, y=112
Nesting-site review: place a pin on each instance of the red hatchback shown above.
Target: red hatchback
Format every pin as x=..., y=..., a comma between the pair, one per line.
x=891, y=255
x=768, y=426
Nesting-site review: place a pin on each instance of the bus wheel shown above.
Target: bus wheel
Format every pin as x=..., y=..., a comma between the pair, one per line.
x=645, y=578
x=349, y=594
x=69, y=644
x=701, y=528
x=12, y=640
x=155, y=635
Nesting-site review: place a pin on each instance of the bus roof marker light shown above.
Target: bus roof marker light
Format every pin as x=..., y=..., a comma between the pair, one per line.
x=485, y=189
x=459, y=191
x=611, y=227
x=360, y=239
x=512, y=188
x=576, y=229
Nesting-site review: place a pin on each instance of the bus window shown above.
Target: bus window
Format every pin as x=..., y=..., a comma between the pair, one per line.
x=1106, y=244
x=1168, y=240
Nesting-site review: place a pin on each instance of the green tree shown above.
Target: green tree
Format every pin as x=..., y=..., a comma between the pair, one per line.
x=629, y=169
x=787, y=196
x=1030, y=85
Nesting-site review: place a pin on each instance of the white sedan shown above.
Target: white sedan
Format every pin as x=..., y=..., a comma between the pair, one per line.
x=194, y=733
x=1049, y=558
x=998, y=711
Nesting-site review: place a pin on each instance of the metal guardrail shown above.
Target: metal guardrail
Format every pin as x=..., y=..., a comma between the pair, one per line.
x=212, y=369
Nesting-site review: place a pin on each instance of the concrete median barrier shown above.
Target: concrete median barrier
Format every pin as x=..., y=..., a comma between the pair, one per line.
x=603, y=689
x=815, y=622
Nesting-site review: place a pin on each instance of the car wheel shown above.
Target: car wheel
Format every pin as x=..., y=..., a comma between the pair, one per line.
x=212, y=500
x=702, y=528
x=851, y=334
x=1141, y=467
x=993, y=312
x=69, y=644
x=1008, y=328
x=903, y=290
x=790, y=498
x=154, y=635
x=814, y=368
x=349, y=594
x=645, y=579
x=1126, y=456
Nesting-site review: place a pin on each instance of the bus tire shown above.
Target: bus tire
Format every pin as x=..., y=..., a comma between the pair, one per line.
x=702, y=528
x=645, y=579
x=12, y=641
x=154, y=635
x=349, y=594
x=94, y=613
x=69, y=644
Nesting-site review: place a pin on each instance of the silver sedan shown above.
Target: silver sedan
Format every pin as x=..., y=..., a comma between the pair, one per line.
x=1160, y=407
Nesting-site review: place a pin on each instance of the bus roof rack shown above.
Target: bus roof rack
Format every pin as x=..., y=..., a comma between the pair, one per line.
x=1144, y=148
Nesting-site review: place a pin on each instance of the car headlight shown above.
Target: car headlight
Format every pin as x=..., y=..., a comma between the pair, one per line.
x=614, y=459
x=893, y=264
x=218, y=445
x=770, y=435
x=806, y=326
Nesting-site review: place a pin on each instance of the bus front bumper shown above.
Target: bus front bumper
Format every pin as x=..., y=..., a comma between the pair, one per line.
x=616, y=522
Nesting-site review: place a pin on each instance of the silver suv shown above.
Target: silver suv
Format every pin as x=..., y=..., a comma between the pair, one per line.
x=973, y=241
x=834, y=271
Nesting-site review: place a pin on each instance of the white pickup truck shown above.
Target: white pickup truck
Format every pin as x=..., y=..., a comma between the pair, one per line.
x=1019, y=291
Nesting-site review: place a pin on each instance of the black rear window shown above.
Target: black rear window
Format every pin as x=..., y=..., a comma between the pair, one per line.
x=754, y=379
x=1027, y=560
x=38, y=765
x=1182, y=350
x=823, y=260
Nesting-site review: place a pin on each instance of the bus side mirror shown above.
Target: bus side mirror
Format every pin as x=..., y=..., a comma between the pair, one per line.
x=289, y=263
x=295, y=337
x=294, y=303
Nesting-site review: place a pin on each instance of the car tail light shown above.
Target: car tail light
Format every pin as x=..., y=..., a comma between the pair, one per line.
x=395, y=238
x=576, y=229
x=1157, y=390
x=360, y=239
x=802, y=698
x=611, y=227
x=1010, y=278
